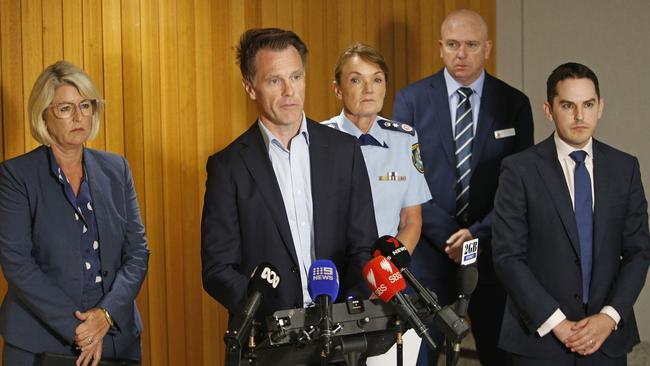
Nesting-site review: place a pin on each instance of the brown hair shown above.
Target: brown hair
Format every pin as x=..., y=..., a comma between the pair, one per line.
x=254, y=40
x=364, y=52
x=569, y=70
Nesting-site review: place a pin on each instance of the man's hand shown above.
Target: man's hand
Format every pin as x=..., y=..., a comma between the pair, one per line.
x=93, y=328
x=91, y=354
x=564, y=330
x=454, y=248
x=590, y=333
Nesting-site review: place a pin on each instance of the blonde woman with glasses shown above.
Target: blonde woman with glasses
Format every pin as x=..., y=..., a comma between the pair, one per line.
x=72, y=244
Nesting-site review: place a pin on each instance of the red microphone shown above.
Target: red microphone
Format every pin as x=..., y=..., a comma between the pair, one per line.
x=386, y=281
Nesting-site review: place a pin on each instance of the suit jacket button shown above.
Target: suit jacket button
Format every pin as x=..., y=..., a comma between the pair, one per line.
x=578, y=298
x=297, y=305
x=294, y=269
x=104, y=273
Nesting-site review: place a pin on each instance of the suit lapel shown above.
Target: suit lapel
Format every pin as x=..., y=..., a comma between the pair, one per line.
x=601, y=197
x=256, y=158
x=442, y=117
x=320, y=172
x=485, y=120
x=551, y=174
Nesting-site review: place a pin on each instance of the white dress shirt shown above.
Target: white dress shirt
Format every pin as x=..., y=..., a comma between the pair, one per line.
x=568, y=168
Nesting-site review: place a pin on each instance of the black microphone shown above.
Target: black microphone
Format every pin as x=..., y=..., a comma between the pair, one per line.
x=387, y=283
x=466, y=280
x=396, y=252
x=452, y=326
x=263, y=281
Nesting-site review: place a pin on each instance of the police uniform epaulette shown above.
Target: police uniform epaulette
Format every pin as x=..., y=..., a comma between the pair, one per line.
x=331, y=124
x=396, y=126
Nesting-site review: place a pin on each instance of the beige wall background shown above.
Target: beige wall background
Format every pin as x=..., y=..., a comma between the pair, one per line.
x=609, y=36
x=173, y=97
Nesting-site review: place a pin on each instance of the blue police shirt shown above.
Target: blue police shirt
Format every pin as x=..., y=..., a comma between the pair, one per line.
x=394, y=167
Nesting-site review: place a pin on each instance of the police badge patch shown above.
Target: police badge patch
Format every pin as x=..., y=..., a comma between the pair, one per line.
x=417, y=159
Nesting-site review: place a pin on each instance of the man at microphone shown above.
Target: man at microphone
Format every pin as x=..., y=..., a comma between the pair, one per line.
x=275, y=194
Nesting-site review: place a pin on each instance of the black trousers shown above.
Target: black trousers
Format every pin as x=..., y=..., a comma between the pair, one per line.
x=486, y=313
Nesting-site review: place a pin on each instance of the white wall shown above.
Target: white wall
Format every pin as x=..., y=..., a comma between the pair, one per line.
x=612, y=37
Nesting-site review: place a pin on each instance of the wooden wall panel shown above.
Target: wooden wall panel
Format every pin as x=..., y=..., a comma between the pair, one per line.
x=173, y=93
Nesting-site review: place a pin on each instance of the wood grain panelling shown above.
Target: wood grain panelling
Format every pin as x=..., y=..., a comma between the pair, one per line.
x=167, y=71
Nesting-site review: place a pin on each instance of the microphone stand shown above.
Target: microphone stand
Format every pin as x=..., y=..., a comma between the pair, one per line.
x=250, y=354
x=325, y=328
x=450, y=352
x=467, y=279
x=399, y=344
x=233, y=353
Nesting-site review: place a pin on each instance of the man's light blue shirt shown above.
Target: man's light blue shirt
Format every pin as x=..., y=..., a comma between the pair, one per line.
x=293, y=171
x=454, y=98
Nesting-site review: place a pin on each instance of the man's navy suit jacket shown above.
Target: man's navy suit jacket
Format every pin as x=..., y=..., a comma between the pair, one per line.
x=425, y=105
x=41, y=255
x=245, y=223
x=537, y=252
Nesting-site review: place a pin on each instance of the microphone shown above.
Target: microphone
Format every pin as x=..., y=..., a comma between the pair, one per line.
x=396, y=252
x=445, y=319
x=386, y=281
x=466, y=280
x=263, y=281
x=323, y=286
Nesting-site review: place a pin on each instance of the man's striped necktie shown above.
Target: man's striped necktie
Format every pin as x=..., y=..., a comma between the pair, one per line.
x=463, y=136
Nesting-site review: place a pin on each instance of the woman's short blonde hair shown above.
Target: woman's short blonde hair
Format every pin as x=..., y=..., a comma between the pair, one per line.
x=60, y=73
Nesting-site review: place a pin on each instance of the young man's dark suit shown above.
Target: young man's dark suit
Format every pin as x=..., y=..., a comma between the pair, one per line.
x=425, y=105
x=537, y=253
x=244, y=220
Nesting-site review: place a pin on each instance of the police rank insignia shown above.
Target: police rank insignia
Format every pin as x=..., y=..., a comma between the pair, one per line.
x=417, y=159
x=392, y=176
x=396, y=126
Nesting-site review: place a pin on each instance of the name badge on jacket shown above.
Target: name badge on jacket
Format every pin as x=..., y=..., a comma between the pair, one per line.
x=499, y=134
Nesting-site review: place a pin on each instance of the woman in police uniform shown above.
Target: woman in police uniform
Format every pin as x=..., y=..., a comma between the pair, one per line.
x=390, y=149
